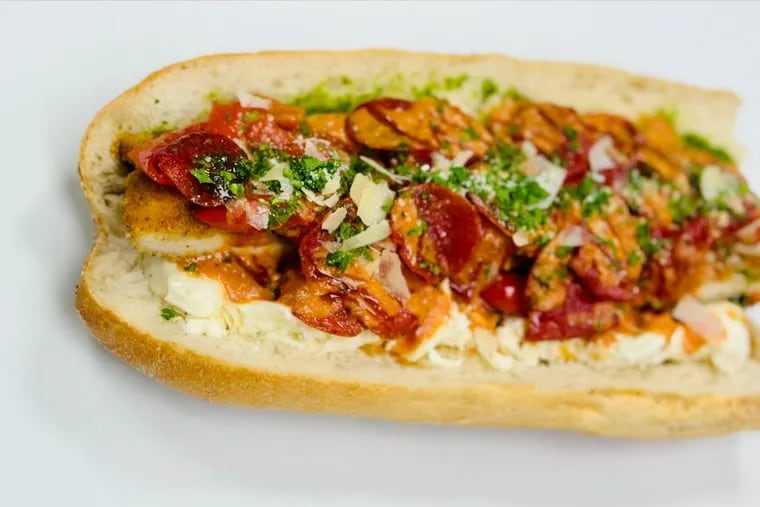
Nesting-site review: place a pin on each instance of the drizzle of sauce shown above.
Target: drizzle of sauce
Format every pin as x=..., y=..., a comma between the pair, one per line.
x=238, y=283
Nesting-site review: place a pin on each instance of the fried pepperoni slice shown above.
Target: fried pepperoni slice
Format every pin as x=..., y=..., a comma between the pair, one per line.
x=143, y=156
x=421, y=127
x=359, y=286
x=437, y=231
x=332, y=127
x=578, y=317
x=364, y=128
x=256, y=126
x=178, y=158
x=412, y=119
x=506, y=294
x=319, y=304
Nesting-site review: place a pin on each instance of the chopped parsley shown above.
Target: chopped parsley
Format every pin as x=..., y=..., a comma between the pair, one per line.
x=310, y=172
x=634, y=258
x=564, y=251
x=471, y=133
x=648, y=244
x=280, y=211
x=419, y=229
x=592, y=197
x=225, y=177
x=682, y=206
x=698, y=142
x=321, y=99
x=169, y=313
x=454, y=82
x=514, y=94
x=488, y=88
x=191, y=268
x=432, y=268
x=251, y=116
x=572, y=137
x=669, y=114
x=340, y=259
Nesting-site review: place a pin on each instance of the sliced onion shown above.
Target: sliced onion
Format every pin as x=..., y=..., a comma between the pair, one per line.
x=391, y=276
x=599, y=155
x=317, y=148
x=331, y=246
x=254, y=101
x=699, y=319
x=256, y=214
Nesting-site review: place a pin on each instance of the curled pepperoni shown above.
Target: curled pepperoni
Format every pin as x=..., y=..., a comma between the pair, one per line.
x=506, y=294
x=319, y=304
x=273, y=126
x=420, y=127
x=578, y=317
x=331, y=126
x=437, y=231
x=412, y=119
x=359, y=287
x=178, y=158
x=219, y=217
x=143, y=156
x=364, y=128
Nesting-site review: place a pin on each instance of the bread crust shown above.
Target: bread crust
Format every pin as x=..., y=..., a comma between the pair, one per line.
x=609, y=412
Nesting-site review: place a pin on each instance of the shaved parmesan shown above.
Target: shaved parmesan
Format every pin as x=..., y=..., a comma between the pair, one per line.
x=461, y=158
x=752, y=250
x=715, y=183
x=722, y=289
x=572, y=236
x=374, y=197
x=254, y=101
x=382, y=170
x=749, y=231
x=320, y=200
x=599, y=155
x=357, y=187
x=371, y=234
x=334, y=219
x=699, y=319
x=333, y=185
x=276, y=171
x=520, y=238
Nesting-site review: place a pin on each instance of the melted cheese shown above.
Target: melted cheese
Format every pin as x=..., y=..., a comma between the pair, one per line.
x=208, y=313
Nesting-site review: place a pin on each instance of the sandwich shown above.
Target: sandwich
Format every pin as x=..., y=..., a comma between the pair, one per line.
x=470, y=240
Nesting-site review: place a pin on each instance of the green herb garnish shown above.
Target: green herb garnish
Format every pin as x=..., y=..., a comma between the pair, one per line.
x=169, y=313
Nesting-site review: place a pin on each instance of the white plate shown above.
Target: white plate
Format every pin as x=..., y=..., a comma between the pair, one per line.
x=76, y=425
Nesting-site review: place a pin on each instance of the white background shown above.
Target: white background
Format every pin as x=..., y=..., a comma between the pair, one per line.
x=77, y=427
